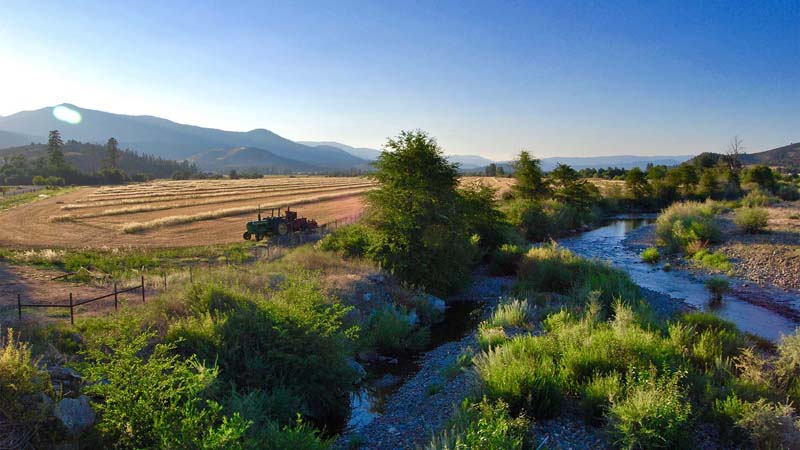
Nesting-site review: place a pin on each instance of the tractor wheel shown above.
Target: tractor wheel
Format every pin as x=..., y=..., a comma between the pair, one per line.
x=246, y=235
x=282, y=229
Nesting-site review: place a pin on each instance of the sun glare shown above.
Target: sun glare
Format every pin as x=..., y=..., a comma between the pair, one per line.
x=67, y=114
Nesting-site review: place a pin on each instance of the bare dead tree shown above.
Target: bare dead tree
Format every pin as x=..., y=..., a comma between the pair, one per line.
x=733, y=155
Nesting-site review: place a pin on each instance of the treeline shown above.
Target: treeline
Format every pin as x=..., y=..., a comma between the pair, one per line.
x=73, y=162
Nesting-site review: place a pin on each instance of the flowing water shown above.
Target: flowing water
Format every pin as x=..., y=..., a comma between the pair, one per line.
x=385, y=378
x=607, y=243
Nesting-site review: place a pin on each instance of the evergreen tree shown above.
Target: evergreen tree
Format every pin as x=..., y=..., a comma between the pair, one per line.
x=530, y=178
x=636, y=182
x=570, y=188
x=55, y=156
x=112, y=153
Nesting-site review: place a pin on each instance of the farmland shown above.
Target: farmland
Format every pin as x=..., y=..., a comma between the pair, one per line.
x=174, y=213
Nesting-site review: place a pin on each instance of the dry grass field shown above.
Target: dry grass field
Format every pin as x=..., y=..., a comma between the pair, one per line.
x=174, y=213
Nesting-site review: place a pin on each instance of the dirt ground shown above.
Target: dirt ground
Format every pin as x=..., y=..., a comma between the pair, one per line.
x=30, y=226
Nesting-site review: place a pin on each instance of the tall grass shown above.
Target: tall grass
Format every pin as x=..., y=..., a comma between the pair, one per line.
x=684, y=223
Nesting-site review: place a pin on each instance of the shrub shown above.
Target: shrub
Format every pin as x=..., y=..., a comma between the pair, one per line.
x=788, y=192
x=389, y=330
x=768, y=425
x=752, y=220
x=156, y=402
x=526, y=382
x=352, y=240
x=299, y=435
x=459, y=365
x=716, y=261
x=516, y=313
x=683, y=223
x=787, y=366
x=654, y=414
x=20, y=381
x=651, y=255
x=756, y=198
x=482, y=426
x=490, y=336
x=599, y=393
x=717, y=287
x=504, y=260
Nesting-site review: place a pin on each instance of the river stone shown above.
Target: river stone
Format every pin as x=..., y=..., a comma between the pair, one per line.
x=75, y=414
x=436, y=303
x=358, y=369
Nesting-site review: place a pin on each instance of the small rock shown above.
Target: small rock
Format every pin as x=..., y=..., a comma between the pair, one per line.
x=436, y=303
x=75, y=414
x=358, y=369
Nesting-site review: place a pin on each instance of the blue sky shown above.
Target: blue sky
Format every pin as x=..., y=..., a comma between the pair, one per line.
x=557, y=78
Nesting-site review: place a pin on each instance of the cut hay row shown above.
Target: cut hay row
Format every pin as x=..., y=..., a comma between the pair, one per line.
x=135, y=227
x=226, y=194
x=152, y=208
x=150, y=193
x=212, y=183
x=154, y=191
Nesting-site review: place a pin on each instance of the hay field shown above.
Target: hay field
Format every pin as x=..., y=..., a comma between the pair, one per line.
x=174, y=213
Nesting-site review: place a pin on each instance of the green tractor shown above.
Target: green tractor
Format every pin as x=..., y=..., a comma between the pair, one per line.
x=277, y=225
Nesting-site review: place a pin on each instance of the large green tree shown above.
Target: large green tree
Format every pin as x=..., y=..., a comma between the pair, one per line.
x=55, y=155
x=570, y=188
x=636, y=182
x=418, y=215
x=530, y=178
x=112, y=153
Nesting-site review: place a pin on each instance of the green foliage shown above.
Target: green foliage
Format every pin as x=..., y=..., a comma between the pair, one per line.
x=651, y=255
x=20, y=380
x=751, y=220
x=294, y=340
x=459, y=365
x=352, y=240
x=637, y=185
x=654, y=414
x=504, y=260
x=423, y=233
x=756, y=198
x=389, y=330
x=716, y=261
x=526, y=381
x=684, y=223
x=433, y=389
x=599, y=393
x=569, y=188
x=539, y=220
x=159, y=401
x=766, y=425
x=717, y=286
x=530, y=178
x=513, y=313
x=490, y=336
x=763, y=176
x=482, y=426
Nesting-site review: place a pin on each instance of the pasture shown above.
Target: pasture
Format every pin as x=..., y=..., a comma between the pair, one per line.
x=174, y=213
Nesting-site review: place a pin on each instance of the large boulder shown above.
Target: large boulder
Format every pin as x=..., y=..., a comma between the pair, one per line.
x=75, y=414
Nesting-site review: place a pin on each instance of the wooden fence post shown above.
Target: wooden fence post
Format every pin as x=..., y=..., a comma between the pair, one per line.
x=165, y=280
x=115, y=296
x=142, y=288
x=71, y=310
x=19, y=306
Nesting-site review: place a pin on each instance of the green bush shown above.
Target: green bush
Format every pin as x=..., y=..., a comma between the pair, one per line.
x=788, y=192
x=514, y=313
x=505, y=260
x=716, y=261
x=683, y=223
x=540, y=220
x=526, y=382
x=651, y=255
x=352, y=240
x=389, y=330
x=717, y=287
x=654, y=414
x=751, y=220
x=20, y=381
x=766, y=425
x=482, y=426
x=599, y=393
x=756, y=198
x=160, y=401
x=490, y=336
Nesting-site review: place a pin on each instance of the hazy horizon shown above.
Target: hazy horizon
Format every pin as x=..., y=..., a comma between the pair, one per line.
x=557, y=80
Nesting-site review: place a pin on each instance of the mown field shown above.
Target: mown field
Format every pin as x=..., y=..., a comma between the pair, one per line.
x=174, y=213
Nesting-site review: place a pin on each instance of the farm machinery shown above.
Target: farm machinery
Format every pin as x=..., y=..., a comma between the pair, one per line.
x=277, y=224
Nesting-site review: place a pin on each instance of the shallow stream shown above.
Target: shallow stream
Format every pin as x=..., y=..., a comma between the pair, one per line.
x=606, y=243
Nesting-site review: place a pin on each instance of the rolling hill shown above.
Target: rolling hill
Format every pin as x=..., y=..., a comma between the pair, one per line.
x=167, y=139
x=786, y=156
x=249, y=159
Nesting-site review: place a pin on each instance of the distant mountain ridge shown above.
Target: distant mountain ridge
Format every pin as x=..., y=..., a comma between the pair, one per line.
x=250, y=159
x=786, y=156
x=167, y=139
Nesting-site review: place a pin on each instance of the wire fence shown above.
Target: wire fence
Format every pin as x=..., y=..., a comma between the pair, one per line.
x=271, y=249
x=10, y=191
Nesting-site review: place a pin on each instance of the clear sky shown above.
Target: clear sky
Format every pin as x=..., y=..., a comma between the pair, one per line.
x=558, y=78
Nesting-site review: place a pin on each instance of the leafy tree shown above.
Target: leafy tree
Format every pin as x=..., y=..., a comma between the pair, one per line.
x=570, y=188
x=501, y=171
x=55, y=156
x=709, y=186
x=762, y=176
x=530, y=178
x=491, y=170
x=421, y=234
x=655, y=173
x=636, y=182
x=112, y=153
